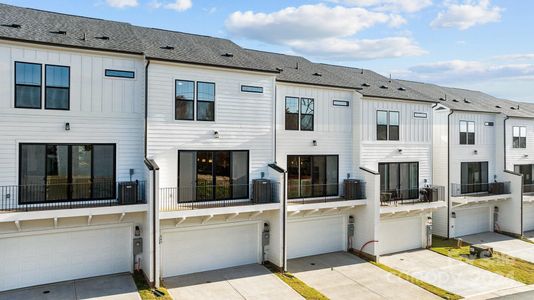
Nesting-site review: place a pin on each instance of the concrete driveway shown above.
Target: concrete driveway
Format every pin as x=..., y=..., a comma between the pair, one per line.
x=342, y=275
x=243, y=282
x=530, y=235
x=112, y=287
x=504, y=244
x=448, y=273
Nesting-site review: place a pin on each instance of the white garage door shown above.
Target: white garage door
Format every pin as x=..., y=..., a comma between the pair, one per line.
x=204, y=248
x=400, y=234
x=528, y=217
x=36, y=259
x=472, y=220
x=311, y=236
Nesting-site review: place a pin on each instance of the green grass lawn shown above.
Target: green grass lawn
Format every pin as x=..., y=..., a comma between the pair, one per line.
x=501, y=264
x=146, y=292
x=298, y=285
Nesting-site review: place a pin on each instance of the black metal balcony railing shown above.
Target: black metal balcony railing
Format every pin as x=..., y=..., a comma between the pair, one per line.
x=320, y=193
x=412, y=196
x=480, y=189
x=37, y=197
x=220, y=195
x=528, y=188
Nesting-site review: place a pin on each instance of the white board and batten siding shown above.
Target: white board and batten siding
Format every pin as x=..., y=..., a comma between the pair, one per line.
x=243, y=120
x=102, y=109
x=519, y=156
x=415, y=136
x=332, y=126
x=485, y=144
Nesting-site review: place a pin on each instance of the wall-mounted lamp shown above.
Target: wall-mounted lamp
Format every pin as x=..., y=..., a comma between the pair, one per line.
x=348, y=175
x=67, y=126
x=314, y=142
x=137, y=231
x=399, y=150
x=525, y=156
x=475, y=152
x=216, y=134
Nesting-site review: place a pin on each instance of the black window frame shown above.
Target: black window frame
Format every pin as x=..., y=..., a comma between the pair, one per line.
x=477, y=187
x=326, y=194
x=420, y=115
x=184, y=100
x=120, y=72
x=205, y=101
x=29, y=85
x=57, y=87
x=251, y=89
x=530, y=182
x=388, y=126
x=470, y=137
x=299, y=114
x=519, y=142
x=413, y=193
x=286, y=113
x=114, y=190
x=214, y=186
x=342, y=103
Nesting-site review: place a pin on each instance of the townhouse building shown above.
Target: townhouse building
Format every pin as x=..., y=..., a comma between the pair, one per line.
x=72, y=177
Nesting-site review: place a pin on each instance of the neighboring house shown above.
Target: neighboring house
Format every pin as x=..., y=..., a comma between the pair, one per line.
x=483, y=194
x=71, y=128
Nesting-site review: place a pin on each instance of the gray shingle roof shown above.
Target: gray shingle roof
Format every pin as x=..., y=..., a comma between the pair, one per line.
x=37, y=25
x=468, y=100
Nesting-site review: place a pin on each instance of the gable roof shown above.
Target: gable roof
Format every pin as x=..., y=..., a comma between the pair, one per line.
x=469, y=100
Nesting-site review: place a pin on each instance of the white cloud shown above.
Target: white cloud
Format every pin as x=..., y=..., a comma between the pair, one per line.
x=516, y=57
x=322, y=30
x=122, y=3
x=179, y=5
x=409, y=6
x=467, y=14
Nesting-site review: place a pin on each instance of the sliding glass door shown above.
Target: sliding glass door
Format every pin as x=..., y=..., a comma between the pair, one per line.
x=66, y=172
x=312, y=176
x=212, y=175
x=401, y=180
x=528, y=181
x=474, y=177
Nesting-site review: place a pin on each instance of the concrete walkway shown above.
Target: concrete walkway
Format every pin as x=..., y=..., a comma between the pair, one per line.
x=342, y=275
x=504, y=244
x=243, y=282
x=113, y=287
x=448, y=273
x=518, y=293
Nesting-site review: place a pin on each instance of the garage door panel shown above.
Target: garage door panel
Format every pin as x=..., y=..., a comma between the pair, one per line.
x=209, y=248
x=400, y=234
x=472, y=220
x=311, y=236
x=58, y=256
x=528, y=217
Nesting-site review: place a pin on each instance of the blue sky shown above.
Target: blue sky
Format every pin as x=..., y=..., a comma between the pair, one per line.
x=477, y=44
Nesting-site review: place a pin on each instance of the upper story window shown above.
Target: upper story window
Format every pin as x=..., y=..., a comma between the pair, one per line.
x=467, y=133
x=299, y=113
x=205, y=101
x=387, y=125
x=27, y=85
x=519, y=135
x=119, y=74
x=185, y=100
x=57, y=88
x=251, y=89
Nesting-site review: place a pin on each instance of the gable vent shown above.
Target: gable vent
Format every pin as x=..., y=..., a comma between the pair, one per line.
x=366, y=85
x=317, y=74
x=384, y=87
x=401, y=89
x=59, y=32
x=105, y=38
x=12, y=25
x=228, y=54
x=167, y=48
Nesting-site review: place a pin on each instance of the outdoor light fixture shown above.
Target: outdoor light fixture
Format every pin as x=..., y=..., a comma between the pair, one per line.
x=400, y=150
x=314, y=142
x=216, y=134
x=476, y=151
x=525, y=156
x=67, y=126
x=137, y=231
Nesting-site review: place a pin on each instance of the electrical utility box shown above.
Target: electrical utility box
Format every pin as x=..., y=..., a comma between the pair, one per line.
x=137, y=246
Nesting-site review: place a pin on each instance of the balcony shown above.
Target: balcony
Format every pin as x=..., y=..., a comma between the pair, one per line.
x=322, y=193
x=528, y=192
x=427, y=194
x=217, y=196
x=462, y=194
x=42, y=197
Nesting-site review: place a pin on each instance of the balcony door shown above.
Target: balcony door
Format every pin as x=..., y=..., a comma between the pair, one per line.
x=400, y=179
x=474, y=177
x=212, y=175
x=526, y=171
x=312, y=176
